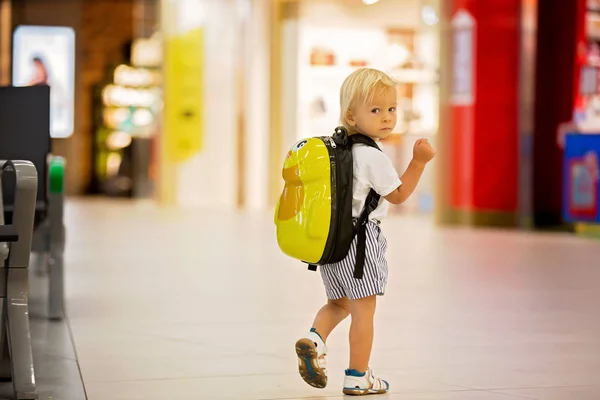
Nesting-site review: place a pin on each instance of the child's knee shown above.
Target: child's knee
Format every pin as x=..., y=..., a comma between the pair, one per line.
x=342, y=303
x=363, y=307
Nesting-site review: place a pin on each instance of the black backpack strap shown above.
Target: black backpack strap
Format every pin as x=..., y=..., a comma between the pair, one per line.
x=363, y=139
x=361, y=226
x=370, y=205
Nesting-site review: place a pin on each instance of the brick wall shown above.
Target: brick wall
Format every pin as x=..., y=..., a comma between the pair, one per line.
x=102, y=27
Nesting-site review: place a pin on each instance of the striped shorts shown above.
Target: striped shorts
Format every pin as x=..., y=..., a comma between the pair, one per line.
x=339, y=277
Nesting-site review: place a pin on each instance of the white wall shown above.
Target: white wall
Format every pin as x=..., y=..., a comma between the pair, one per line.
x=290, y=59
x=236, y=32
x=209, y=178
x=257, y=100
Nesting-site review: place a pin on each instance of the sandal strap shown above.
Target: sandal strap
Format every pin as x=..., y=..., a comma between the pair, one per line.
x=377, y=383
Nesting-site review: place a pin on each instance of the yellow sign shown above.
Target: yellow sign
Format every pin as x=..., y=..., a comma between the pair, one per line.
x=183, y=95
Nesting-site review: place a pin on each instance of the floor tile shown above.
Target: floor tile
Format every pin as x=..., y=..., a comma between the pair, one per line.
x=557, y=393
x=182, y=304
x=249, y=387
x=56, y=369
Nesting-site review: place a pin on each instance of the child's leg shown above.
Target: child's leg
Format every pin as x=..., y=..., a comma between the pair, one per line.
x=311, y=349
x=330, y=315
x=361, y=332
x=359, y=378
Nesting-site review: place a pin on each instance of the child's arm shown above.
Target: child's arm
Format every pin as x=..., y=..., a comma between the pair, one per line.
x=409, y=179
x=422, y=154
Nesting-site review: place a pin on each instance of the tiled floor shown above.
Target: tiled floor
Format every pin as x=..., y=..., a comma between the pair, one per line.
x=169, y=304
x=55, y=362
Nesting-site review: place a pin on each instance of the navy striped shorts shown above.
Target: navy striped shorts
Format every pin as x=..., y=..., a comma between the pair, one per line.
x=339, y=277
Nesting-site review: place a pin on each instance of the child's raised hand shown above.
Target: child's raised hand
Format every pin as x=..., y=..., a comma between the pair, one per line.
x=422, y=151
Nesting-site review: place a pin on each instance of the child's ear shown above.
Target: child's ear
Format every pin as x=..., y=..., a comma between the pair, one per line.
x=350, y=118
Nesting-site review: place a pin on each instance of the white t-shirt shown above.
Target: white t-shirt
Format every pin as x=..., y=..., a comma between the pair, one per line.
x=372, y=169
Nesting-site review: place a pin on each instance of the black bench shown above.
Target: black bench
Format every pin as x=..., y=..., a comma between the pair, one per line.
x=25, y=135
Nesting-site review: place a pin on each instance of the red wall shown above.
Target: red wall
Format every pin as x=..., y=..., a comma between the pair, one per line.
x=485, y=134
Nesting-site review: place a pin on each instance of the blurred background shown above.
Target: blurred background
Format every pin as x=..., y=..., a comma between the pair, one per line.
x=174, y=118
x=163, y=100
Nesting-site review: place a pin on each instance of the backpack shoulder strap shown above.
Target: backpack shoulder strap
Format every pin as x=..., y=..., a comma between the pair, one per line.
x=363, y=139
x=370, y=205
x=361, y=231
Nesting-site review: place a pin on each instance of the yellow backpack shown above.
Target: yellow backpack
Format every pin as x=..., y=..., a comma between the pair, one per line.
x=313, y=216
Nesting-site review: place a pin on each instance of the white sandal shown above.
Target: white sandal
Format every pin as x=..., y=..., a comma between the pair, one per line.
x=312, y=355
x=362, y=385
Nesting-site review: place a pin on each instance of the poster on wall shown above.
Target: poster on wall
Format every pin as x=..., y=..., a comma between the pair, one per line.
x=45, y=55
x=463, y=69
x=183, y=96
x=581, y=174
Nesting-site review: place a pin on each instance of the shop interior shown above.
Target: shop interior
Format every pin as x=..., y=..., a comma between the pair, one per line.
x=320, y=45
x=330, y=38
x=126, y=122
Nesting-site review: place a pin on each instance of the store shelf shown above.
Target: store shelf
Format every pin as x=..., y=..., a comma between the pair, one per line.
x=415, y=76
x=403, y=75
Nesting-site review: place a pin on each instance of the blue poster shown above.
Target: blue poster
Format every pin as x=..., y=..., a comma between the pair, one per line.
x=581, y=190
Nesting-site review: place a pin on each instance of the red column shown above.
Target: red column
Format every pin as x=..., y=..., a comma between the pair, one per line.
x=485, y=74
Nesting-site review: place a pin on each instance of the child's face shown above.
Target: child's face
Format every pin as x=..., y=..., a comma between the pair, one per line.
x=376, y=118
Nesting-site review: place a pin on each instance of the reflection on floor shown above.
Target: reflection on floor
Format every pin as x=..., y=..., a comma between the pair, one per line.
x=174, y=304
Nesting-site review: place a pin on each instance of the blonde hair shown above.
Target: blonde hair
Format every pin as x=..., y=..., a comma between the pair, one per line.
x=362, y=84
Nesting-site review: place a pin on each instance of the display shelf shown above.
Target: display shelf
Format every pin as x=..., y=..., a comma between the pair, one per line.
x=402, y=75
x=413, y=75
